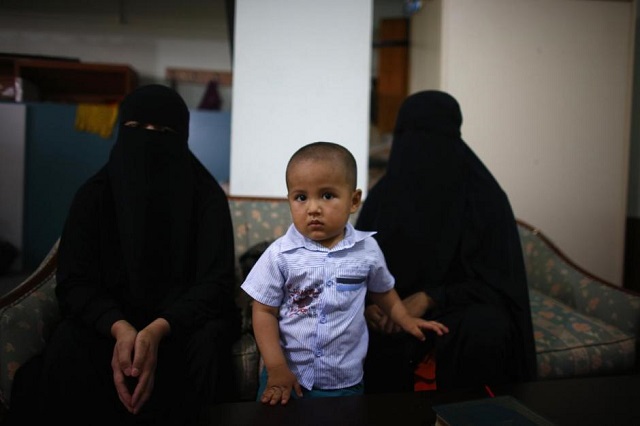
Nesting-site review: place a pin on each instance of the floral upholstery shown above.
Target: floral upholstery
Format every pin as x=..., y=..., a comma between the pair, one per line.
x=569, y=343
x=27, y=315
x=257, y=220
x=582, y=324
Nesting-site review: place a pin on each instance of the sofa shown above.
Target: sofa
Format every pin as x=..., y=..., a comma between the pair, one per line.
x=582, y=325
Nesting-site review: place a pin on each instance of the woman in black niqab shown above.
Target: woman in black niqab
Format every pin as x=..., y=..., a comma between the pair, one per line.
x=450, y=238
x=145, y=272
x=153, y=175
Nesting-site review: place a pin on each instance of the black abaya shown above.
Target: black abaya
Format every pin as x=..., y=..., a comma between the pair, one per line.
x=447, y=229
x=149, y=236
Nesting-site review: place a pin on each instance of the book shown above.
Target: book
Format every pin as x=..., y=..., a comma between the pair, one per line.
x=499, y=410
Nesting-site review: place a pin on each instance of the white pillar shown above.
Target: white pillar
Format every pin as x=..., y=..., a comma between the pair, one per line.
x=301, y=73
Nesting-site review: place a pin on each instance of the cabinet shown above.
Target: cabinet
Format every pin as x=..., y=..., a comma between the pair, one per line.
x=393, y=75
x=64, y=80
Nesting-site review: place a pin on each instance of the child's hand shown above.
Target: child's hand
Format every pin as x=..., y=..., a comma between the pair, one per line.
x=415, y=326
x=279, y=383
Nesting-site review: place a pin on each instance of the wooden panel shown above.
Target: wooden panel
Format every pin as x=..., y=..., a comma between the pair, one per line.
x=393, y=76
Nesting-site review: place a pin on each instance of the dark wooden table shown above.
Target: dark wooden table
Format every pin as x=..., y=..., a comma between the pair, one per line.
x=607, y=400
x=611, y=400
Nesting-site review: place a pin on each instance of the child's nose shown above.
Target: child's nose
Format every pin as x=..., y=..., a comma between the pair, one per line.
x=314, y=206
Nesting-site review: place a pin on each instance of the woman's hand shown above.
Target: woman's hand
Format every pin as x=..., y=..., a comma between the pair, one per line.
x=145, y=361
x=418, y=304
x=134, y=362
x=121, y=360
x=378, y=321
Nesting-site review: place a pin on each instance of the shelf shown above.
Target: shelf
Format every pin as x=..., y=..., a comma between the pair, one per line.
x=67, y=81
x=185, y=75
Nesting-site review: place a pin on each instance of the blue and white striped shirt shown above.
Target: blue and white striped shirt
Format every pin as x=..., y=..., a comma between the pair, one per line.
x=321, y=295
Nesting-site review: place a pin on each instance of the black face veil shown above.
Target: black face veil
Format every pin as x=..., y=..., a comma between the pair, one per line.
x=152, y=181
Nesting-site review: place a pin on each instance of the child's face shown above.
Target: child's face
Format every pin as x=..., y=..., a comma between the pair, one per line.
x=321, y=200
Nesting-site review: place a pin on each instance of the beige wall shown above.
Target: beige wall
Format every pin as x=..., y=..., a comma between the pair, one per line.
x=545, y=90
x=425, y=49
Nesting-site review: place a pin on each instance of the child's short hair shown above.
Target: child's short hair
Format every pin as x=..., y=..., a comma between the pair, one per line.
x=328, y=150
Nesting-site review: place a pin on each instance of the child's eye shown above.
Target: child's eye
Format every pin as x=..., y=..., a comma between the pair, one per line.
x=327, y=196
x=300, y=197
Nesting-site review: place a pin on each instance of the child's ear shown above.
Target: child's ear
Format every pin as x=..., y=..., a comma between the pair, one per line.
x=356, y=199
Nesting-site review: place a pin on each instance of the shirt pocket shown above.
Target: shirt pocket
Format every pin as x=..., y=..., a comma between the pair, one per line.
x=351, y=279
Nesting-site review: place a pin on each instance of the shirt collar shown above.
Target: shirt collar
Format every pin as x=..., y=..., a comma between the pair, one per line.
x=293, y=239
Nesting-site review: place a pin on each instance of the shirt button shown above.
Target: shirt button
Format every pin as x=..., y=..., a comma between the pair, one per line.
x=323, y=319
x=329, y=283
x=319, y=353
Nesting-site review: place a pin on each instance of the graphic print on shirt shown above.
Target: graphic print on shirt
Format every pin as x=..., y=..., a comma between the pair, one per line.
x=300, y=300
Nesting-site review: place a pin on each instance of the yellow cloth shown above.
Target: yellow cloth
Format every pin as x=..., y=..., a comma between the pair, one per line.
x=96, y=118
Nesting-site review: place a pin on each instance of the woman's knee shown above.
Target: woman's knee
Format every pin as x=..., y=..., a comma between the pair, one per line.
x=479, y=328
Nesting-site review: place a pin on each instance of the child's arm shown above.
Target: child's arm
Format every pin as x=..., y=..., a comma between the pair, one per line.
x=392, y=305
x=267, y=333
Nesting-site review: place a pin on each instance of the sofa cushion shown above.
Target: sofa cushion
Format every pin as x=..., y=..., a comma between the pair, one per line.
x=570, y=344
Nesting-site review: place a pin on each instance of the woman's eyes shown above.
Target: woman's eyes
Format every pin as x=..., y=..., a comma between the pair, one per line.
x=149, y=126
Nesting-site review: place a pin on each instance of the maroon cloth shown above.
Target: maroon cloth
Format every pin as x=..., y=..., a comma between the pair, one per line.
x=211, y=99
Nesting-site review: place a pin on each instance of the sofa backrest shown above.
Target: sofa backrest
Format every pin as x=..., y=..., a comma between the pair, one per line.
x=547, y=272
x=256, y=220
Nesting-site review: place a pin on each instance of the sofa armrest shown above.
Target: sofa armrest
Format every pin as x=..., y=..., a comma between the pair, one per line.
x=28, y=315
x=552, y=273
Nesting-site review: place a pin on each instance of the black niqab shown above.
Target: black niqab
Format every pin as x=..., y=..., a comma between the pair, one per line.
x=152, y=181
